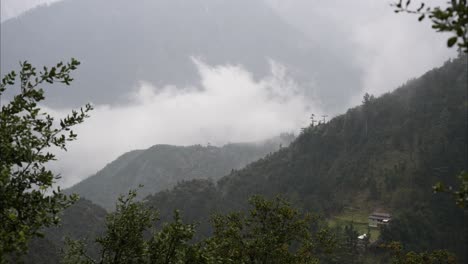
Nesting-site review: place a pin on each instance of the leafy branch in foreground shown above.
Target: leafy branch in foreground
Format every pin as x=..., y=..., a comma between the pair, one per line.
x=272, y=232
x=129, y=238
x=27, y=136
x=453, y=19
x=460, y=195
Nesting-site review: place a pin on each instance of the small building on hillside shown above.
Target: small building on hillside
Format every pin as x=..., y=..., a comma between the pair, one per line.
x=377, y=219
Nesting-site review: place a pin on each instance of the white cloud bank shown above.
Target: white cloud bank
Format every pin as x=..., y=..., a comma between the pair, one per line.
x=230, y=106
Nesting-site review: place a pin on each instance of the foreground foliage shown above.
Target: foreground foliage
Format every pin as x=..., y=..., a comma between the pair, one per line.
x=27, y=137
x=434, y=257
x=271, y=232
x=461, y=194
x=453, y=19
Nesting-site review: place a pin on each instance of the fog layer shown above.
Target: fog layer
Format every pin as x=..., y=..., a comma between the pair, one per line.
x=229, y=106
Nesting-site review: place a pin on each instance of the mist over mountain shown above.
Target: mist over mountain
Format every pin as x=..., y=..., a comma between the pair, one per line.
x=154, y=41
x=162, y=166
x=230, y=106
x=184, y=73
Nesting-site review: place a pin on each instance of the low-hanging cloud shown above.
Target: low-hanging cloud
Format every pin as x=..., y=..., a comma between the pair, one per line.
x=229, y=106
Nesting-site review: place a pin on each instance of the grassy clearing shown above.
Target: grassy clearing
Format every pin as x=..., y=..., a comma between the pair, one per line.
x=359, y=221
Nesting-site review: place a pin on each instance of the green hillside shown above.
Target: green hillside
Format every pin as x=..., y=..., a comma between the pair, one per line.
x=162, y=166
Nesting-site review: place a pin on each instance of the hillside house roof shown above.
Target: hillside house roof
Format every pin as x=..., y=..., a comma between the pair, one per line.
x=380, y=216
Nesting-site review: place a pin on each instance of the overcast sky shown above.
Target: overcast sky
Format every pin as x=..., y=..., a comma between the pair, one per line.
x=389, y=48
x=12, y=8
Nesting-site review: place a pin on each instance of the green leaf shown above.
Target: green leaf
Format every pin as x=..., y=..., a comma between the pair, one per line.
x=451, y=41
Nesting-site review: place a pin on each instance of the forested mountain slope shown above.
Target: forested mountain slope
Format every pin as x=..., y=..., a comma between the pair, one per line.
x=385, y=154
x=162, y=166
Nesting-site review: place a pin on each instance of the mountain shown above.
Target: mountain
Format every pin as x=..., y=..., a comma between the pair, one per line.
x=162, y=166
x=385, y=154
x=154, y=40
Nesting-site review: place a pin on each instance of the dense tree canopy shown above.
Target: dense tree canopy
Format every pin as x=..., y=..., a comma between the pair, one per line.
x=271, y=232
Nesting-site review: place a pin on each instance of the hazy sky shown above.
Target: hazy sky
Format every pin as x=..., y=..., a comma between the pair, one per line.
x=231, y=106
x=12, y=8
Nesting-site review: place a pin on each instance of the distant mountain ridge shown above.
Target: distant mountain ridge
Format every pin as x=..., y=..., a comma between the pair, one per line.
x=162, y=166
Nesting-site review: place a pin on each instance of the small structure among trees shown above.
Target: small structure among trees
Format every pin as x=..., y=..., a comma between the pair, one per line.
x=377, y=219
